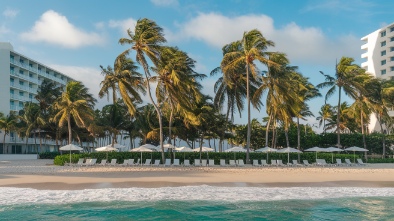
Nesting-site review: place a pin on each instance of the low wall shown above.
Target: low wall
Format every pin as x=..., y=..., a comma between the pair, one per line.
x=18, y=156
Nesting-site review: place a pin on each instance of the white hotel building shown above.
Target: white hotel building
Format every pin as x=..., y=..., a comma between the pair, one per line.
x=20, y=78
x=379, y=55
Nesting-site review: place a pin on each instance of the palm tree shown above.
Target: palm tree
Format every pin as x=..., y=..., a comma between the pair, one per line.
x=34, y=120
x=146, y=42
x=7, y=124
x=325, y=113
x=75, y=103
x=345, y=73
x=245, y=52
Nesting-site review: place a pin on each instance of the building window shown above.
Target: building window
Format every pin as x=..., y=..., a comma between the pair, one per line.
x=392, y=39
x=21, y=93
x=12, y=80
x=383, y=43
x=12, y=58
x=21, y=72
x=392, y=68
x=11, y=91
x=21, y=61
x=21, y=104
x=30, y=86
x=383, y=53
x=12, y=103
x=392, y=59
x=391, y=48
x=383, y=33
x=30, y=97
x=383, y=72
x=391, y=29
x=12, y=70
x=31, y=75
x=383, y=62
x=21, y=83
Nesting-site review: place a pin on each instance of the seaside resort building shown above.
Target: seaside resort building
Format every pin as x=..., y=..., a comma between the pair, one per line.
x=378, y=50
x=20, y=78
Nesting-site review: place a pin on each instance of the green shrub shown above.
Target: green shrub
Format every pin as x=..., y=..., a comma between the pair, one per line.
x=387, y=160
x=48, y=155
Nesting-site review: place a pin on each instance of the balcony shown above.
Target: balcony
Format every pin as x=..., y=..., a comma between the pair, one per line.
x=365, y=55
x=23, y=88
x=24, y=77
x=364, y=47
x=364, y=65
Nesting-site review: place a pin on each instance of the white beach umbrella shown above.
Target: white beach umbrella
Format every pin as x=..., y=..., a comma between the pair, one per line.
x=141, y=149
x=70, y=147
x=354, y=149
x=184, y=150
x=107, y=149
x=235, y=150
x=266, y=150
x=332, y=150
x=149, y=146
x=203, y=149
x=288, y=150
x=316, y=149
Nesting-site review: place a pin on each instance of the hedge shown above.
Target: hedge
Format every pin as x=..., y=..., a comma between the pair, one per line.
x=48, y=155
x=216, y=156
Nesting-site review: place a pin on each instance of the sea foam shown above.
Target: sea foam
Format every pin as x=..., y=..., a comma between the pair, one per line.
x=13, y=196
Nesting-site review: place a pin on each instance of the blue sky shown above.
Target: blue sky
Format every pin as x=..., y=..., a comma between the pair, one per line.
x=76, y=37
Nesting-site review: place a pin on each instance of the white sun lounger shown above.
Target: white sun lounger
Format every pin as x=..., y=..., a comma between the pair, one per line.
x=273, y=163
x=103, y=162
x=347, y=161
x=295, y=163
x=279, y=163
x=176, y=162
x=306, y=163
x=125, y=163
x=80, y=162
x=197, y=163
x=167, y=163
x=339, y=162
x=147, y=162
x=157, y=163
x=211, y=163
x=203, y=162
x=186, y=163
x=223, y=163
x=87, y=163
x=232, y=163
x=264, y=163
x=256, y=163
x=241, y=163
x=360, y=162
x=113, y=162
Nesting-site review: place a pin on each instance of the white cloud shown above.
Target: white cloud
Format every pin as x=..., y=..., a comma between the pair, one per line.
x=301, y=44
x=123, y=25
x=4, y=29
x=165, y=2
x=10, y=13
x=55, y=28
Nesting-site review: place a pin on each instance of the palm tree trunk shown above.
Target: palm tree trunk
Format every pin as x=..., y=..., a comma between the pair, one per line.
x=145, y=66
x=298, y=138
x=39, y=134
x=363, y=133
x=201, y=139
x=4, y=143
x=287, y=137
x=69, y=128
x=384, y=138
x=338, y=117
x=267, y=130
x=249, y=126
x=170, y=124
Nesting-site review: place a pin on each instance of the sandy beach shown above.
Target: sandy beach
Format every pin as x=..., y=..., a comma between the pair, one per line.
x=42, y=174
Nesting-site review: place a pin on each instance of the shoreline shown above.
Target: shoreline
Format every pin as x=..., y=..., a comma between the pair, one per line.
x=41, y=175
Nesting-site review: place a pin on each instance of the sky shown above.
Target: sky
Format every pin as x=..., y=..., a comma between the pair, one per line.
x=76, y=37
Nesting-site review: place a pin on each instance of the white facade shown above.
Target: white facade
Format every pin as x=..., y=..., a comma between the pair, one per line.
x=379, y=55
x=20, y=78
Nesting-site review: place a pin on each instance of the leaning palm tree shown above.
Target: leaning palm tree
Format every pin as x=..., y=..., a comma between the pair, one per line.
x=146, y=41
x=75, y=103
x=325, y=113
x=253, y=47
x=345, y=73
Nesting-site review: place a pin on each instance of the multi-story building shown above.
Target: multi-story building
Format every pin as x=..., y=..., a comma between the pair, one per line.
x=20, y=78
x=379, y=55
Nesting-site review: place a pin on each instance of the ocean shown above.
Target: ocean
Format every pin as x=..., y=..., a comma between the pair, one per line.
x=199, y=203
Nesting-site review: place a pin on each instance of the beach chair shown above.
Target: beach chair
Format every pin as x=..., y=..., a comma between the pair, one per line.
x=347, y=161
x=157, y=163
x=256, y=163
x=147, y=162
x=339, y=162
x=264, y=163
x=295, y=163
x=280, y=163
x=176, y=162
x=203, y=162
x=360, y=162
x=306, y=163
x=223, y=163
x=167, y=163
x=321, y=162
x=113, y=162
x=87, y=162
x=103, y=162
x=211, y=163
x=197, y=163
x=131, y=162
x=125, y=163
x=92, y=162
x=273, y=163
x=186, y=163
x=241, y=163
x=80, y=162
x=232, y=163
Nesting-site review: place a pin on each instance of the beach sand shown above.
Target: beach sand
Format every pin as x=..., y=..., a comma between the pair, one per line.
x=42, y=174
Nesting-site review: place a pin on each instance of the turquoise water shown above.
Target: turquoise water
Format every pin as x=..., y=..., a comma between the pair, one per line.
x=198, y=203
x=366, y=208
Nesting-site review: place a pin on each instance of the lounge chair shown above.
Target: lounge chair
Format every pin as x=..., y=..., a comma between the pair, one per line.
x=232, y=163
x=167, y=163
x=204, y=162
x=264, y=163
x=157, y=163
x=176, y=162
x=80, y=162
x=360, y=162
x=256, y=163
x=186, y=163
x=295, y=163
x=87, y=162
x=347, y=161
x=197, y=163
x=131, y=162
x=103, y=162
x=241, y=163
x=320, y=162
x=125, y=163
x=147, y=162
x=223, y=163
x=306, y=163
x=339, y=162
x=279, y=163
x=273, y=163
x=211, y=163
x=113, y=162
x=93, y=162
